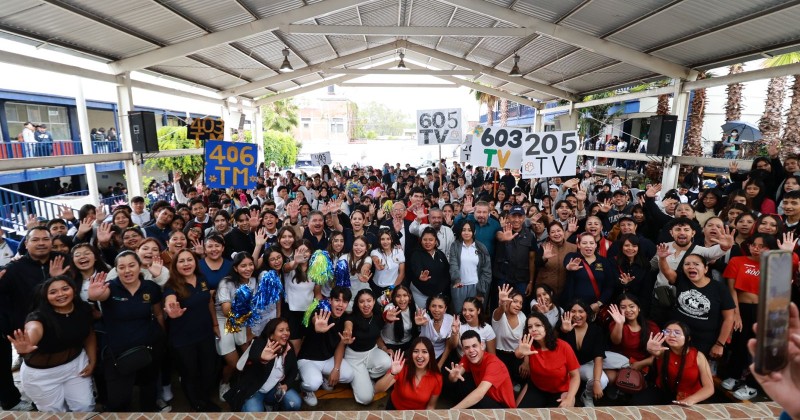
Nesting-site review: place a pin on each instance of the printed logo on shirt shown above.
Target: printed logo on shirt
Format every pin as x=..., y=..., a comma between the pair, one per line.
x=598, y=267
x=694, y=304
x=203, y=286
x=146, y=297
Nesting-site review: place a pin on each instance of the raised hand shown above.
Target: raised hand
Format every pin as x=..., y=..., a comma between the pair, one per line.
x=398, y=361
x=468, y=204
x=254, y=221
x=456, y=371
x=392, y=314
x=663, y=251
x=772, y=149
x=97, y=285
x=616, y=315
x=86, y=226
x=381, y=213
x=653, y=190
x=271, y=351
x=32, y=222
x=540, y=305
x=580, y=194
x=605, y=205
x=364, y=274
x=788, y=242
x=455, y=329
x=574, y=264
x=347, y=337
x=398, y=225
x=321, y=319
x=197, y=246
x=425, y=275
x=548, y=250
x=725, y=239
x=57, y=267
x=626, y=278
x=572, y=225
x=503, y=294
x=100, y=212
x=261, y=237
x=293, y=209
x=526, y=345
x=507, y=234
x=21, y=342
x=566, y=321
x=655, y=344
x=67, y=213
x=419, y=317
x=301, y=255
x=174, y=310
x=156, y=266
x=104, y=233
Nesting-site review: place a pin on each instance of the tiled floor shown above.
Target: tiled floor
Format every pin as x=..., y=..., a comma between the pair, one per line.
x=708, y=411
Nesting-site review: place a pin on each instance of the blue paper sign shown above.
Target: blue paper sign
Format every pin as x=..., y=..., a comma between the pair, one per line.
x=231, y=164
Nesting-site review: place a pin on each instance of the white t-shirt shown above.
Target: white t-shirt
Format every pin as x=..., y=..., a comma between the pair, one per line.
x=226, y=291
x=468, y=270
x=387, y=333
x=275, y=376
x=485, y=331
x=298, y=295
x=387, y=276
x=439, y=339
x=508, y=339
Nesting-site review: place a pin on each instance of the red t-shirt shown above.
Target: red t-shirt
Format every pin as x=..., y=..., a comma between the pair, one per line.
x=408, y=397
x=690, y=378
x=550, y=369
x=629, y=347
x=746, y=274
x=492, y=370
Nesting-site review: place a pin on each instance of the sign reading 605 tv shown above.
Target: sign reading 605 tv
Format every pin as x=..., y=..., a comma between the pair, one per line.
x=230, y=165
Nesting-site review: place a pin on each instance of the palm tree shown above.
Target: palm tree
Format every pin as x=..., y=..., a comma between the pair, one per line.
x=770, y=122
x=280, y=115
x=488, y=99
x=503, y=112
x=734, y=105
x=694, y=134
x=791, y=131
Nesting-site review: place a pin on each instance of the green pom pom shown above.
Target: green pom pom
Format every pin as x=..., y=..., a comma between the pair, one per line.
x=310, y=312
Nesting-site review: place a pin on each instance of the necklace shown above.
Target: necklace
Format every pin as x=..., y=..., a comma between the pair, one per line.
x=67, y=313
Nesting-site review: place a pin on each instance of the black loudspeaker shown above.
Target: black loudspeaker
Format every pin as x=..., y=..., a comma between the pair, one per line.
x=662, y=135
x=144, y=136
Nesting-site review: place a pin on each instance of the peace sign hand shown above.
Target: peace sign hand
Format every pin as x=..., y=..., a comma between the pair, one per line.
x=57, y=267
x=455, y=329
x=425, y=275
x=21, y=342
x=616, y=315
x=419, y=318
x=574, y=264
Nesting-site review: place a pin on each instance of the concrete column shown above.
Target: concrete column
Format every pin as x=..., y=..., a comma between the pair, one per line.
x=86, y=141
x=538, y=121
x=258, y=133
x=133, y=169
x=226, y=116
x=680, y=107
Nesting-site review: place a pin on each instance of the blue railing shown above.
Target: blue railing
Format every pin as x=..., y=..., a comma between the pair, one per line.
x=16, y=207
x=18, y=150
x=110, y=200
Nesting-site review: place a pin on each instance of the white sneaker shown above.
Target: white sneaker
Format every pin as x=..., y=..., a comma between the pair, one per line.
x=587, y=398
x=326, y=386
x=22, y=406
x=163, y=406
x=310, y=398
x=166, y=393
x=223, y=388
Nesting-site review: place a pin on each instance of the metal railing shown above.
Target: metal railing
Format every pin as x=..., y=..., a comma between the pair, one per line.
x=17, y=150
x=16, y=207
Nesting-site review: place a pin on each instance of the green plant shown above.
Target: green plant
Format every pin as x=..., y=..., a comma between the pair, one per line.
x=174, y=138
x=280, y=147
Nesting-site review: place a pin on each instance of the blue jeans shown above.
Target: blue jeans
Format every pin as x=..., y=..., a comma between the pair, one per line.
x=291, y=401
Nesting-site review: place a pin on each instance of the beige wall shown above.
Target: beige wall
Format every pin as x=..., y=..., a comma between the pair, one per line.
x=100, y=118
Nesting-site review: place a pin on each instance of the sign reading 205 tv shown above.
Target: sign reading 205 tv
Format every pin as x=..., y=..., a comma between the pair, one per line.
x=230, y=164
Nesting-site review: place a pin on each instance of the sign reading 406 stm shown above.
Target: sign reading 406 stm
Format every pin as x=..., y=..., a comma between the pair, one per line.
x=439, y=126
x=230, y=164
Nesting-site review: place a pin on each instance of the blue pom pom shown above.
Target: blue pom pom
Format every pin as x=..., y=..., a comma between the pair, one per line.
x=269, y=291
x=341, y=273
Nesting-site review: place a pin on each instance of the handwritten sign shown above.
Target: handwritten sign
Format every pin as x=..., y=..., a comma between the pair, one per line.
x=498, y=147
x=320, y=159
x=550, y=154
x=439, y=126
x=465, y=151
x=230, y=164
x=204, y=129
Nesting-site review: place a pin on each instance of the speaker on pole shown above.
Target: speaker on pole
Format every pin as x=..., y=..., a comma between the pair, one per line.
x=144, y=136
x=661, y=138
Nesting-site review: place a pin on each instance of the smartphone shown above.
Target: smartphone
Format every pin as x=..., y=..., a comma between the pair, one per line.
x=772, y=333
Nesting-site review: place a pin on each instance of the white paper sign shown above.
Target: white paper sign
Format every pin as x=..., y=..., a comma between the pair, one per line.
x=320, y=159
x=439, y=126
x=465, y=151
x=550, y=154
x=497, y=147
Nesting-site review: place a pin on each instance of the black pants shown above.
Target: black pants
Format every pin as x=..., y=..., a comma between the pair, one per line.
x=740, y=357
x=651, y=395
x=535, y=398
x=9, y=394
x=196, y=364
x=119, y=387
x=462, y=389
x=512, y=363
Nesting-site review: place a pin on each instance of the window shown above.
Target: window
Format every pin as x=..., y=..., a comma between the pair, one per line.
x=337, y=125
x=55, y=117
x=306, y=122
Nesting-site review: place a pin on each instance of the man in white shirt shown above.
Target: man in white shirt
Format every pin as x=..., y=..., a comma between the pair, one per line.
x=139, y=215
x=435, y=219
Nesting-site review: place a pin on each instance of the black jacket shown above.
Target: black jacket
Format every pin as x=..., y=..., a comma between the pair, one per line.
x=256, y=373
x=18, y=287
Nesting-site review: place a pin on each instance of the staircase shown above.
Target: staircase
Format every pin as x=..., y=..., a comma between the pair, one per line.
x=16, y=207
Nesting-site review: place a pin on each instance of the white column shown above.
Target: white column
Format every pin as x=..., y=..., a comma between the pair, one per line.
x=86, y=141
x=258, y=133
x=680, y=107
x=133, y=170
x=538, y=121
x=226, y=116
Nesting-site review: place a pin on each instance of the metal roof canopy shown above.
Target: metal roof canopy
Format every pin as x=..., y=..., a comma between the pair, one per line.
x=567, y=48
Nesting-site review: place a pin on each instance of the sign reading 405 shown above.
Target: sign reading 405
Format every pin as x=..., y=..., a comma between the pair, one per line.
x=230, y=164
x=439, y=126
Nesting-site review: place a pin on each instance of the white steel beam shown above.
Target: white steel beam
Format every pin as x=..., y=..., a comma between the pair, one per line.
x=493, y=91
x=575, y=37
x=747, y=76
x=613, y=99
x=235, y=33
x=314, y=68
x=400, y=85
x=539, y=87
x=407, y=30
x=399, y=72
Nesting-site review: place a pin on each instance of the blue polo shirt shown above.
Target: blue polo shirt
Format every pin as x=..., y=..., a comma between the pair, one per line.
x=213, y=277
x=128, y=318
x=196, y=324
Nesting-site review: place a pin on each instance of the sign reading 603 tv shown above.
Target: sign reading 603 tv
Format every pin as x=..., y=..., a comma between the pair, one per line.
x=230, y=165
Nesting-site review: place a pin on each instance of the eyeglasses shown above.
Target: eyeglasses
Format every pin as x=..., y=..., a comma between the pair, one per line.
x=674, y=333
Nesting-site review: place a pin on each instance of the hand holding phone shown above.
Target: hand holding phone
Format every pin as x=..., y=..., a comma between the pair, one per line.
x=772, y=329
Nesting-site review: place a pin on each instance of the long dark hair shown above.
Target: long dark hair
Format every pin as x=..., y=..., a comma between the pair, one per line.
x=622, y=259
x=99, y=264
x=376, y=309
x=479, y=306
x=238, y=258
x=356, y=265
x=431, y=368
x=301, y=275
x=397, y=328
x=549, y=333
x=663, y=370
x=644, y=333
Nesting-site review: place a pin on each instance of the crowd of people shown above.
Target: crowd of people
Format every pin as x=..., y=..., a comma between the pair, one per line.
x=459, y=287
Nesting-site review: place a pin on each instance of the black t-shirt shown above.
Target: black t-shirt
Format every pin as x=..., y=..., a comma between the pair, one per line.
x=366, y=331
x=196, y=324
x=63, y=332
x=321, y=346
x=594, y=343
x=128, y=319
x=701, y=309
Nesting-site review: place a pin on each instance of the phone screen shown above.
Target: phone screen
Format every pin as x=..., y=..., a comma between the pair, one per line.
x=772, y=334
